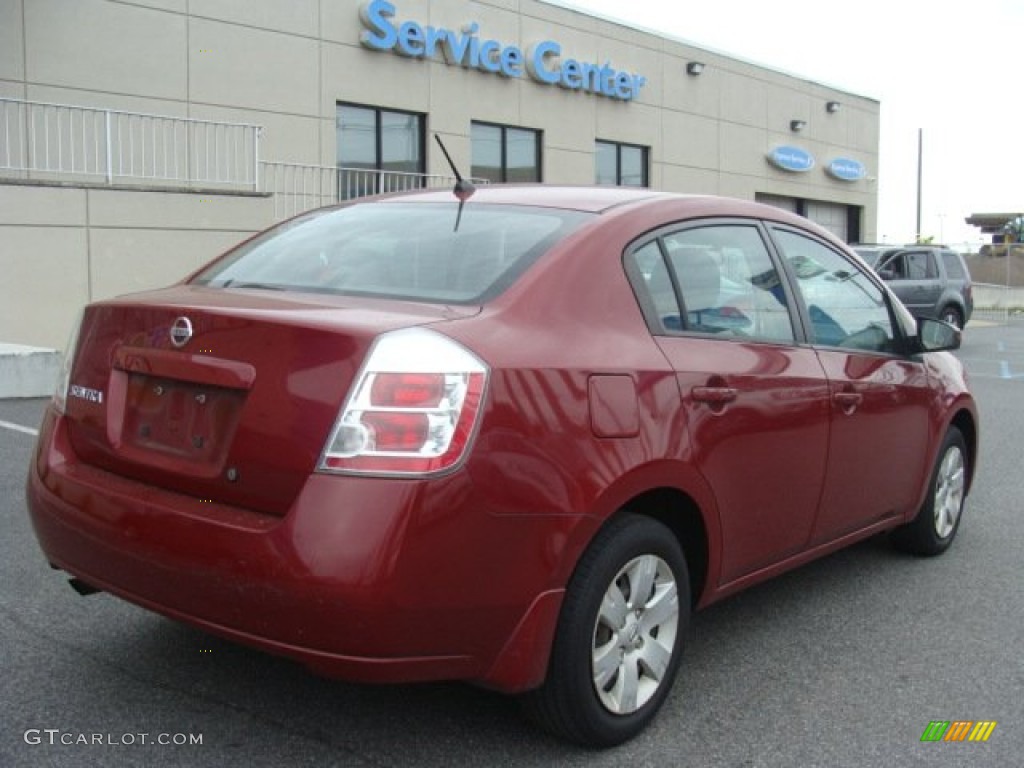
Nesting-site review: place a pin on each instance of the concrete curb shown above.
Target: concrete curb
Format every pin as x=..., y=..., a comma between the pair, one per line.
x=28, y=371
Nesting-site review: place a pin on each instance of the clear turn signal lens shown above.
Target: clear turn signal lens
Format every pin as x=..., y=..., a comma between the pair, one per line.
x=413, y=410
x=60, y=394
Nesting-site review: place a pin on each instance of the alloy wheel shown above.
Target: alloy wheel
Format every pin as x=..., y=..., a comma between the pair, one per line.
x=634, y=634
x=949, y=491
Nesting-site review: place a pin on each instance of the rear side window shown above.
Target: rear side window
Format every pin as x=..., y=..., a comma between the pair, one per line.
x=920, y=265
x=398, y=251
x=954, y=267
x=716, y=280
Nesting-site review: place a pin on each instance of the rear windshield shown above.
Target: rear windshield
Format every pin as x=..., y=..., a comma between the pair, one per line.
x=400, y=251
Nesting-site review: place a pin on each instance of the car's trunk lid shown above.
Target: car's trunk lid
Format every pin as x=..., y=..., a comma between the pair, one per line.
x=239, y=411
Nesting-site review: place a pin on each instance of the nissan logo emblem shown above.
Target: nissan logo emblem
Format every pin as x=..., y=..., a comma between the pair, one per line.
x=181, y=332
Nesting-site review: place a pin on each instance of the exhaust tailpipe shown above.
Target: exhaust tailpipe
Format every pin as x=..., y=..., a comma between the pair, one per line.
x=82, y=588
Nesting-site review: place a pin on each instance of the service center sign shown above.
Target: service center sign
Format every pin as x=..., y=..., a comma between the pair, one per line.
x=792, y=159
x=845, y=169
x=541, y=61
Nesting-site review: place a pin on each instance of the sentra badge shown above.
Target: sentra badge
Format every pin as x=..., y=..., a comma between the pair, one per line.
x=85, y=393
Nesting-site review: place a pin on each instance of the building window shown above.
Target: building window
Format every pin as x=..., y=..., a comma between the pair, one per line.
x=622, y=165
x=505, y=154
x=379, y=150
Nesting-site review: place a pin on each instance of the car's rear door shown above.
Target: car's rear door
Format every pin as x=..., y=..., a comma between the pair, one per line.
x=879, y=397
x=756, y=404
x=958, y=283
x=917, y=281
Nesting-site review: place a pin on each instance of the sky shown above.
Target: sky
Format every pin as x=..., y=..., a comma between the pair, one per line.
x=953, y=70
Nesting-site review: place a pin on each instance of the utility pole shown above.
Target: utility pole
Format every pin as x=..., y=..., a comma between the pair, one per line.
x=920, y=141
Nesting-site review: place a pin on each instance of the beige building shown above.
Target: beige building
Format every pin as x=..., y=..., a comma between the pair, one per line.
x=140, y=138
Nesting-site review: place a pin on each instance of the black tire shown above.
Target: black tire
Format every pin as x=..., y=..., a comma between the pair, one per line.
x=952, y=315
x=577, y=700
x=935, y=526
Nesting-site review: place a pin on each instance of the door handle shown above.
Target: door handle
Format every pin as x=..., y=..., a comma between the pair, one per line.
x=848, y=401
x=714, y=395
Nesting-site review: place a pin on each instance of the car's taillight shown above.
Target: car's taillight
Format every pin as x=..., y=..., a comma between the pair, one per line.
x=60, y=394
x=413, y=408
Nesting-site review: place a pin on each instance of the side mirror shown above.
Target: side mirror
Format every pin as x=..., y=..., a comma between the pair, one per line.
x=887, y=274
x=935, y=335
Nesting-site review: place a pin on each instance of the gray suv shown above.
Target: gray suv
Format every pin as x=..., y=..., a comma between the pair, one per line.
x=931, y=280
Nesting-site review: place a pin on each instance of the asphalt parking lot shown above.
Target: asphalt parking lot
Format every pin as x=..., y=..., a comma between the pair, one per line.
x=844, y=662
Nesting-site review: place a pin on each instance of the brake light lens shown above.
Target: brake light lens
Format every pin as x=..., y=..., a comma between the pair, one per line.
x=413, y=410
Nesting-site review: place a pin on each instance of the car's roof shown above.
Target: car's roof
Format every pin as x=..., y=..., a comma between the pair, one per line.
x=597, y=199
x=591, y=199
x=896, y=247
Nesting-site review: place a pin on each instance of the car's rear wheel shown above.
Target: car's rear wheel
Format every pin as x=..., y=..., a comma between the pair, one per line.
x=953, y=316
x=936, y=524
x=619, y=637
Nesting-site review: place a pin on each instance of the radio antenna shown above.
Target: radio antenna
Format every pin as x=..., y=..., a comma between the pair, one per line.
x=463, y=189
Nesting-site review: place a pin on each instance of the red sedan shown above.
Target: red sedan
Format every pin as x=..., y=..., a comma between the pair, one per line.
x=513, y=440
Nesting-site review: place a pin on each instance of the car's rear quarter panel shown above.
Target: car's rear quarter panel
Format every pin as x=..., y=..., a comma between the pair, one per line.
x=569, y=319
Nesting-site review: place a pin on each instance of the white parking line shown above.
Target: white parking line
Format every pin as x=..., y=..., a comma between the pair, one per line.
x=18, y=428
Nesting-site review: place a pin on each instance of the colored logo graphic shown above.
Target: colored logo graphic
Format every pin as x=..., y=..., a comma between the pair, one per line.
x=845, y=169
x=792, y=159
x=958, y=730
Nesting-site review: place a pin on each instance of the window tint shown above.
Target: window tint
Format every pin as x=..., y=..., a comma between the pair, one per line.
x=378, y=150
x=845, y=308
x=954, y=268
x=522, y=155
x=633, y=161
x=502, y=153
x=398, y=251
x=606, y=163
x=621, y=164
x=920, y=265
x=650, y=266
x=487, y=152
x=727, y=281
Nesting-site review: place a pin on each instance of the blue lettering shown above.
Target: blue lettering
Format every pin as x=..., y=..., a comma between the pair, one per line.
x=489, y=51
x=511, y=62
x=434, y=36
x=572, y=75
x=458, y=45
x=411, y=39
x=464, y=48
x=607, y=74
x=374, y=16
x=623, y=86
x=592, y=78
x=535, y=63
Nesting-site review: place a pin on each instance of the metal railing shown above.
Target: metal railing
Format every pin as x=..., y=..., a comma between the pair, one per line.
x=297, y=188
x=40, y=140
x=60, y=142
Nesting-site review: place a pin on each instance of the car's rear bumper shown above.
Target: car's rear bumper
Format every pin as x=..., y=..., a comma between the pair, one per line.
x=367, y=579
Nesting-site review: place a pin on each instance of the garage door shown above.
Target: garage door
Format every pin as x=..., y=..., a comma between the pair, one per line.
x=832, y=216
